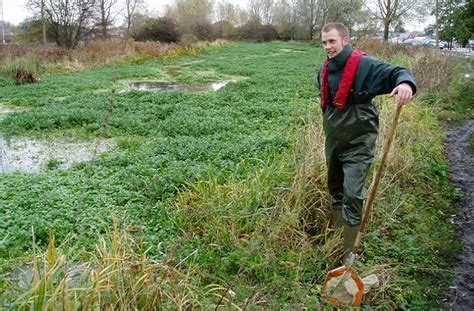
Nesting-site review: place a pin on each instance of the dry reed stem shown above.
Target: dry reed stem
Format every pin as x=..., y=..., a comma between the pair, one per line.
x=96, y=53
x=118, y=277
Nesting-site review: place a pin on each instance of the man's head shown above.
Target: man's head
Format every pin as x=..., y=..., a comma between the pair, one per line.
x=335, y=36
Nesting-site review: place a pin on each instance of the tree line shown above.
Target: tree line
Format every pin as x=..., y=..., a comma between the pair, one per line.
x=67, y=22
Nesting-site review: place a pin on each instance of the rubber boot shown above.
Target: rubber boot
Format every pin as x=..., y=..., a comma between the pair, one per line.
x=350, y=236
x=337, y=218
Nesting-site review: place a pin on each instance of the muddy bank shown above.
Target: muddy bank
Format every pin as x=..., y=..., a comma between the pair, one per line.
x=461, y=293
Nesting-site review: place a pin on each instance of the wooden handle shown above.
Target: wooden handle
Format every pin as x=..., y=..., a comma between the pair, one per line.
x=373, y=188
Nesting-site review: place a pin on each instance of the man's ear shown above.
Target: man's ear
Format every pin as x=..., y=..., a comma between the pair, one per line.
x=345, y=40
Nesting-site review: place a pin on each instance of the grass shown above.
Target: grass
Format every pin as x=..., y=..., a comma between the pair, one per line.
x=221, y=195
x=471, y=145
x=164, y=142
x=44, y=60
x=455, y=105
x=119, y=275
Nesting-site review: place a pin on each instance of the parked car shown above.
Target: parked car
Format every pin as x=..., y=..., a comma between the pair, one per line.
x=432, y=43
x=413, y=42
x=470, y=44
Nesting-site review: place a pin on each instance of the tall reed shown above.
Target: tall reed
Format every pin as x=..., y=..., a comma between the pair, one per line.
x=118, y=276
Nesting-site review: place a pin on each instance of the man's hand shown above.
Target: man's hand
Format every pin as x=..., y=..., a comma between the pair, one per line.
x=404, y=93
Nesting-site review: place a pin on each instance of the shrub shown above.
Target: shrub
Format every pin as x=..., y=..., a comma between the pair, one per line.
x=224, y=29
x=162, y=29
x=203, y=31
x=253, y=30
x=249, y=29
x=23, y=69
x=266, y=33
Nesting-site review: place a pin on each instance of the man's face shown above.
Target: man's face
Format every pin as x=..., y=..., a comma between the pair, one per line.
x=333, y=43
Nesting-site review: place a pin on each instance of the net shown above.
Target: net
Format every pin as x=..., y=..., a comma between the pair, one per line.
x=343, y=287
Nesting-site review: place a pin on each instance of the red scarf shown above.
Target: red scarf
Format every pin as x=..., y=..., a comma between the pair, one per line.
x=348, y=75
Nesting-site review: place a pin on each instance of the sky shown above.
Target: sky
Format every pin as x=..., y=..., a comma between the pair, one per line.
x=14, y=11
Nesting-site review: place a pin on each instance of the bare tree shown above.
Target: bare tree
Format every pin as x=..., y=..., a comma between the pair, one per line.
x=262, y=10
x=242, y=16
x=344, y=11
x=68, y=19
x=311, y=14
x=287, y=19
x=226, y=11
x=192, y=15
x=106, y=12
x=389, y=11
x=43, y=22
x=130, y=8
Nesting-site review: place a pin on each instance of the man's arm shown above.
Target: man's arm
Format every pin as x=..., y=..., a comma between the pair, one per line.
x=377, y=78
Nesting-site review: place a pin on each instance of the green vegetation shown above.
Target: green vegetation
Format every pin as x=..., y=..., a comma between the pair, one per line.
x=28, y=63
x=455, y=104
x=456, y=20
x=471, y=145
x=219, y=195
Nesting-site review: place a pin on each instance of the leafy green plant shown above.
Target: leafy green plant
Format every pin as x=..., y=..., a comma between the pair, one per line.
x=53, y=164
x=471, y=145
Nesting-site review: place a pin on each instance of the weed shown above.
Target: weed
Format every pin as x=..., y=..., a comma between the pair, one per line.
x=471, y=144
x=456, y=105
x=433, y=69
x=119, y=275
x=38, y=60
x=53, y=164
x=23, y=69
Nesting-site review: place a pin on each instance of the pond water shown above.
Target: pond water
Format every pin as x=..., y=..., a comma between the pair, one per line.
x=23, y=277
x=157, y=86
x=6, y=109
x=34, y=156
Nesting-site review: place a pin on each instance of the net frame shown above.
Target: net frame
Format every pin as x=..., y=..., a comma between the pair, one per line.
x=338, y=277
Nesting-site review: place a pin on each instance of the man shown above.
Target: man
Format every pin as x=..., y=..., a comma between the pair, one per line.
x=348, y=81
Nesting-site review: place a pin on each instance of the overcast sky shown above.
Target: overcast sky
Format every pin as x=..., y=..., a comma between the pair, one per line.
x=14, y=11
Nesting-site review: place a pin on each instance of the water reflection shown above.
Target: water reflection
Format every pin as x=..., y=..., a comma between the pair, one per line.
x=33, y=156
x=157, y=86
x=23, y=277
x=6, y=109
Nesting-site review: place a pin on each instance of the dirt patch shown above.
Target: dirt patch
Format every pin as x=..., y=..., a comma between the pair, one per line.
x=290, y=51
x=461, y=293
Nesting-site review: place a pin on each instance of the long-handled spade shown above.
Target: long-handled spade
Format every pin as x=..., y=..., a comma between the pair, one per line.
x=343, y=287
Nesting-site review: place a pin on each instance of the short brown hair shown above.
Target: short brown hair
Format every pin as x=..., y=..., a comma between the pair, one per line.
x=340, y=27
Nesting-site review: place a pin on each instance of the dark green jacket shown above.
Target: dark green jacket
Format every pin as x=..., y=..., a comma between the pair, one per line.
x=373, y=77
x=360, y=117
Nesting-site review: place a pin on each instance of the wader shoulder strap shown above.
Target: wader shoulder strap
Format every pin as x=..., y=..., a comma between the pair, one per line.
x=348, y=76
